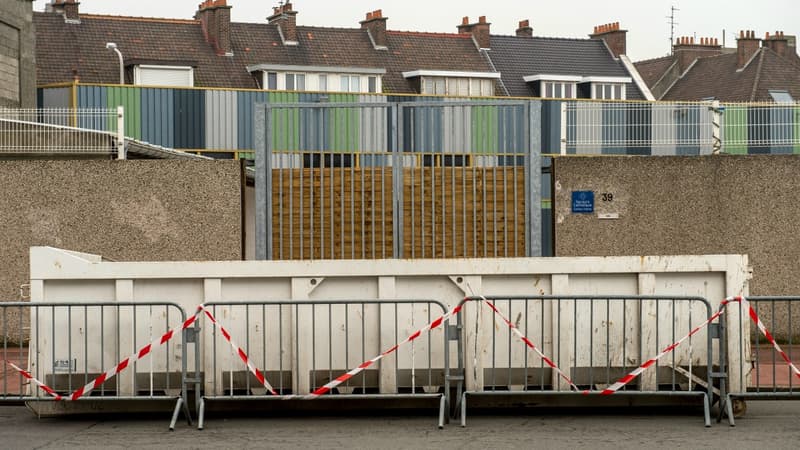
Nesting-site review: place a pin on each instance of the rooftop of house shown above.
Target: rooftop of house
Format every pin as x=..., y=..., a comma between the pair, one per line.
x=516, y=57
x=68, y=51
x=751, y=72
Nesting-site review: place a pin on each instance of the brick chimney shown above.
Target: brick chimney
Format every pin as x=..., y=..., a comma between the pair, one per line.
x=746, y=46
x=777, y=43
x=479, y=31
x=215, y=17
x=615, y=38
x=375, y=24
x=286, y=20
x=525, y=29
x=68, y=8
x=686, y=51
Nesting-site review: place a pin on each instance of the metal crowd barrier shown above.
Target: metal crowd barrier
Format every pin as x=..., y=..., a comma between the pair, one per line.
x=769, y=377
x=594, y=340
x=300, y=346
x=68, y=345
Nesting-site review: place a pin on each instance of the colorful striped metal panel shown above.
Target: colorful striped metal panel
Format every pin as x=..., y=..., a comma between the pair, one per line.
x=223, y=119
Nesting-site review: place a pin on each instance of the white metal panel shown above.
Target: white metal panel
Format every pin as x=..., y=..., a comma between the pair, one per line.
x=447, y=281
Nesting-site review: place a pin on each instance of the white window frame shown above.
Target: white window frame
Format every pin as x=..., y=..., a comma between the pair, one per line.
x=608, y=91
x=456, y=86
x=559, y=89
x=138, y=69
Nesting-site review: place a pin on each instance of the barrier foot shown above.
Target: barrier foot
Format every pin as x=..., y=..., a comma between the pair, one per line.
x=201, y=414
x=729, y=410
x=441, y=412
x=464, y=409
x=707, y=411
x=175, y=414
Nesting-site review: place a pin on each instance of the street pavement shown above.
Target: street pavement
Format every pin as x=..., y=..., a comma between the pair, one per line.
x=768, y=425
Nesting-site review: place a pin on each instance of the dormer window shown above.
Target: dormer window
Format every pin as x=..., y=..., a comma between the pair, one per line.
x=319, y=79
x=463, y=84
x=576, y=86
x=554, y=86
x=155, y=75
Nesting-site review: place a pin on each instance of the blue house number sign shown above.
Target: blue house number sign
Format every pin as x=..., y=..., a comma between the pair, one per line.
x=582, y=202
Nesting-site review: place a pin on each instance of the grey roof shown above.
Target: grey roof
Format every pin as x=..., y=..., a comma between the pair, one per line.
x=516, y=57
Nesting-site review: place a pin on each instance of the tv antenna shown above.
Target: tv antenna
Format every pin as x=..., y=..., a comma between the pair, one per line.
x=672, y=24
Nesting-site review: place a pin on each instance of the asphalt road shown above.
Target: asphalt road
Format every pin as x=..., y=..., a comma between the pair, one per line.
x=769, y=425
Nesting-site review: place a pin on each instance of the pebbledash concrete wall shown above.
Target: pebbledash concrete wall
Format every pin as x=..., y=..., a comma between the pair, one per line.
x=17, y=59
x=688, y=205
x=136, y=210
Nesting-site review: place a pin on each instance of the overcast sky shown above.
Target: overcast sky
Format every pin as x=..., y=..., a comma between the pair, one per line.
x=645, y=20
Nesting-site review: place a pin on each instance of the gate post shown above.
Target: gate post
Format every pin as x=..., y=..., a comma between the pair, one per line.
x=533, y=178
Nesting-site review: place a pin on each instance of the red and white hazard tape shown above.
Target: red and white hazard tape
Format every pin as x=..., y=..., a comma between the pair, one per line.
x=110, y=373
x=238, y=350
x=636, y=372
x=41, y=385
x=530, y=344
x=344, y=377
x=723, y=305
x=125, y=363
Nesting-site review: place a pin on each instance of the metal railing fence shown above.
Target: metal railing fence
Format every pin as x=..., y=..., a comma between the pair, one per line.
x=301, y=345
x=68, y=345
x=60, y=131
x=594, y=341
x=644, y=128
x=768, y=377
x=678, y=128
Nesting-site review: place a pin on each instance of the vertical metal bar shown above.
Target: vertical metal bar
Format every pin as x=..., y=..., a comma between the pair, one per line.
x=397, y=181
x=363, y=343
x=5, y=352
x=263, y=146
x=591, y=339
x=541, y=339
x=69, y=348
x=330, y=342
x=672, y=339
x=85, y=343
x=511, y=316
x=264, y=362
x=313, y=346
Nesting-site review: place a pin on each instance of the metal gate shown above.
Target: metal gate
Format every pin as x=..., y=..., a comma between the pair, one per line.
x=299, y=346
x=99, y=351
x=587, y=344
x=769, y=377
x=398, y=180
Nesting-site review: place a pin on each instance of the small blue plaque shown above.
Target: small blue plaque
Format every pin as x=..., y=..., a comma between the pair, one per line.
x=582, y=202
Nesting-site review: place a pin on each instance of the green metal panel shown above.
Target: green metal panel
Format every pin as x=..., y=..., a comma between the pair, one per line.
x=285, y=123
x=484, y=126
x=734, y=124
x=129, y=98
x=345, y=124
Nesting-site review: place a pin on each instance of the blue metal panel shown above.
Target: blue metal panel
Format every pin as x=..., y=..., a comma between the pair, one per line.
x=92, y=97
x=189, y=118
x=551, y=127
x=687, y=122
x=782, y=121
x=158, y=108
x=614, y=129
x=642, y=114
x=246, y=106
